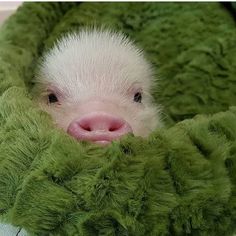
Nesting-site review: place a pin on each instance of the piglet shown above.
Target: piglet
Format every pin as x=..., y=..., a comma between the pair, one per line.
x=96, y=86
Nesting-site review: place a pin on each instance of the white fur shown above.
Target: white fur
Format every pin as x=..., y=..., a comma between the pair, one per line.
x=102, y=67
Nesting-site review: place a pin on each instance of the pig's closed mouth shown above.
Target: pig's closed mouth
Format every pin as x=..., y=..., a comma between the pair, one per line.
x=102, y=142
x=102, y=138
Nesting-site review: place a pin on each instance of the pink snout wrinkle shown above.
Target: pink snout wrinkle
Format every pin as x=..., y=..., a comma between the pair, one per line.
x=98, y=127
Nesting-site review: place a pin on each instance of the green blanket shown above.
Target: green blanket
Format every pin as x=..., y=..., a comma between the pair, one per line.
x=179, y=181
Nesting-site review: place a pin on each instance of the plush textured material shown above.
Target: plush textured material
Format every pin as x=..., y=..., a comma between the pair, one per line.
x=179, y=181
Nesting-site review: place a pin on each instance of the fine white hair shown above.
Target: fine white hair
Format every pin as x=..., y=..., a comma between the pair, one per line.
x=92, y=58
x=100, y=63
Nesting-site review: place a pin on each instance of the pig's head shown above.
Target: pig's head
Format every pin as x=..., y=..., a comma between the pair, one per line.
x=96, y=86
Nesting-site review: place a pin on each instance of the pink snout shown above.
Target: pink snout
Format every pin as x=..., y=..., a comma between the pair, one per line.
x=99, y=127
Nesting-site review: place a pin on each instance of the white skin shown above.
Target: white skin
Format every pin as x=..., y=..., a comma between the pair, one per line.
x=97, y=72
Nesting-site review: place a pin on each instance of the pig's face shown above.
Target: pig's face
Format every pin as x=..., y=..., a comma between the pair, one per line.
x=96, y=86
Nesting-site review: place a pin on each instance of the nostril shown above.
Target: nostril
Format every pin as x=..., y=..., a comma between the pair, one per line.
x=88, y=129
x=115, y=126
x=85, y=127
x=112, y=129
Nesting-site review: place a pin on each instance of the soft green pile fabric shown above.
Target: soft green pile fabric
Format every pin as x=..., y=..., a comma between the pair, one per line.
x=179, y=181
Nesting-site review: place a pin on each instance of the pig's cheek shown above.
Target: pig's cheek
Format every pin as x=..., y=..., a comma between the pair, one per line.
x=62, y=121
x=141, y=125
x=147, y=124
x=58, y=119
x=139, y=130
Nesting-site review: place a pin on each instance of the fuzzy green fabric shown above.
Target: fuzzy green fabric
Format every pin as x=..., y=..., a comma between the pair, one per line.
x=179, y=181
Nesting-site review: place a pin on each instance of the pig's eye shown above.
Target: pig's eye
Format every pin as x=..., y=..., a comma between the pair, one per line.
x=138, y=97
x=52, y=98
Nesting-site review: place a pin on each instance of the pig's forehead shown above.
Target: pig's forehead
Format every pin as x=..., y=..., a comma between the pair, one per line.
x=96, y=60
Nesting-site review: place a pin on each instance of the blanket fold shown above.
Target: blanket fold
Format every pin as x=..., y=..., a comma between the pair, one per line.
x=179, y=181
